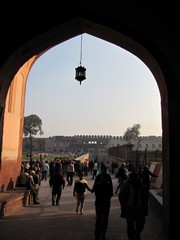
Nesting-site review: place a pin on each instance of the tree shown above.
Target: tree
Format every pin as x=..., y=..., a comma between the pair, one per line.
x=32, y=126
x=132, y=133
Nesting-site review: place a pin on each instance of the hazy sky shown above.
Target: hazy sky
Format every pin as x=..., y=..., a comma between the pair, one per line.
x=119, y=91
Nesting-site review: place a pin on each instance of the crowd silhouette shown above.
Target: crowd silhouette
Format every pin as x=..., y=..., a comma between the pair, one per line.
x=132, y=189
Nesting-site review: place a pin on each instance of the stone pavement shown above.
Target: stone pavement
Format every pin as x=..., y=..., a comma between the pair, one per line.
x=47, y=222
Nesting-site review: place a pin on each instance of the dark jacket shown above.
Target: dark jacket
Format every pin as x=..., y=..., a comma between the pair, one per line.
x=57, y=179
x=103, y=188
x=133, y=197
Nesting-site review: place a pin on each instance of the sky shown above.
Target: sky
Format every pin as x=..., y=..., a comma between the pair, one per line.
x=118, y=92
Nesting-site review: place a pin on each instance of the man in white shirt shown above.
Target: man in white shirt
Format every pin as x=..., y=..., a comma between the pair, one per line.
x=70, y=173
x=45, y=169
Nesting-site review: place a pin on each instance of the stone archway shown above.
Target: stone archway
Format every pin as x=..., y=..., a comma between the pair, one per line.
x=14, y=85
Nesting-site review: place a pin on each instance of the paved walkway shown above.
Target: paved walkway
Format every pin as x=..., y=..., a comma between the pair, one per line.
x=47, y=222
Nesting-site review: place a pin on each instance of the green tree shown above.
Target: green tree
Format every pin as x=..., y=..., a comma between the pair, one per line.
x=132, y=133
x=32, y=126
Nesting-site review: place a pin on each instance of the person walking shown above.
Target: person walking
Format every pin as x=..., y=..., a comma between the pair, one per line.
x=122, y=175
x=57, y=183
x=80, y=192
x=95, y=168
x=103, y=190
x=45, y=170
x=70, y=173
x=133, y=199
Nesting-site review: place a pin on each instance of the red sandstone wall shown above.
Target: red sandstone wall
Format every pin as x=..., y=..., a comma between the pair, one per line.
x=13, y=129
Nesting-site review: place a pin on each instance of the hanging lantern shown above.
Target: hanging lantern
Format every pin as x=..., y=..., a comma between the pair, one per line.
x=80, y=71
x=80, y=74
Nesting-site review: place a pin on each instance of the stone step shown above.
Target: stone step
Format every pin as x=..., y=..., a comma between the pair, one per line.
x=12, y=200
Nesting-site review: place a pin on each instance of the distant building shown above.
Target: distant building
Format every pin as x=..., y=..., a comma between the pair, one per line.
x=150, y=143
x=95, y=145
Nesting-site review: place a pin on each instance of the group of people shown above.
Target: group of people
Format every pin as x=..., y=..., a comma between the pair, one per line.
x=31, y=179
x=133, y=189
x=133, y=194
x=102, y=188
